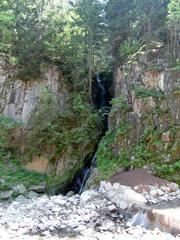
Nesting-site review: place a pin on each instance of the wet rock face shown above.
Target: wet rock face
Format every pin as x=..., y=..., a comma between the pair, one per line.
x=19, y=98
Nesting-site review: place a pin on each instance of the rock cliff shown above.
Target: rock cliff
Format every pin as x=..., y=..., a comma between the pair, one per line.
x=144, y=120
x=56, y=127
x=19, y=97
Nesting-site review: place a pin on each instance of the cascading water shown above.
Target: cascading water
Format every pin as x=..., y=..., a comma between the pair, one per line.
x=101, y=103
x=87, y=172
x=102, y=92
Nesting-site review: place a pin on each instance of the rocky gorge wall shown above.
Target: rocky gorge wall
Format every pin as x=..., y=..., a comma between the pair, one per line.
x=19, y=97
x=144, y=123
x=56, y=128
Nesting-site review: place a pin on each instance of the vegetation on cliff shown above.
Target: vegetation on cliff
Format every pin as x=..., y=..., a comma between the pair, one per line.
x=83, y=38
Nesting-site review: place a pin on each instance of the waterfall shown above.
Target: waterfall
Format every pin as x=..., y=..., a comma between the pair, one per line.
x=87, y=172
x=85, y=178
x=102, y=92
x=90, y=163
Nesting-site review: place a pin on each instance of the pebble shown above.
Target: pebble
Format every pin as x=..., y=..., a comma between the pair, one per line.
x=160, y=192
x=112, y=208
x=46, y=233
x=153, y=193
x=91, y=214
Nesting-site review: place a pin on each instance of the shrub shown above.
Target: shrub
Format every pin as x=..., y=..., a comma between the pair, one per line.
x=6, y=126
x=76, y=125
x=142, y=92
x=128, y=48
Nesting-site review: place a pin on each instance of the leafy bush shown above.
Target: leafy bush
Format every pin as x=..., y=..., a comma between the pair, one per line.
x=176, y=65
x=119, y=105
x=128, y=48
x=107, y=162
x=6, y=126
x=49, y=126
x=13, y=174
x=142, y=92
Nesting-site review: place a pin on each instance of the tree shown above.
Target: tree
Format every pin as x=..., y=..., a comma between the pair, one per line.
x=118, y=19
x=6, y=20
x=174, y=24
x=70, y=35
x=91, y=20
x=28, y=35
x=133, y=21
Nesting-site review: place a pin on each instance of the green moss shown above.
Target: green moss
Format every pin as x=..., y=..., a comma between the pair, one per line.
x=58, y=182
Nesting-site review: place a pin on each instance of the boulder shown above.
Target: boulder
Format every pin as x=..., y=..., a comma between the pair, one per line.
x=70, y=194
x=31, y=195
x=21, y=198
x=88, y=195
x=19, y=189
x=165, y=216
x=124, y=197
x=6, y=194
x=41, y=188
x=2, y=181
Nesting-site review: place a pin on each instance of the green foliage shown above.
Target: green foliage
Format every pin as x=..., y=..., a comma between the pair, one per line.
x=40, y=121
x=6, y=126
x=67, y=129
x=69, y=35
x=119, y=104
x=128, y=48
x=169, y=171
x=142, y=92
x=6, y=20
x=174, y=12
x=76, y=35
x=145, y=151
x=173, y=21
x=176, y=65
x=137, y=20
x=12, y=172
x=10, y=168
x=114, y=153
x=70, y=134
x=123, y=129
x=108, y=162
x=91, y=20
